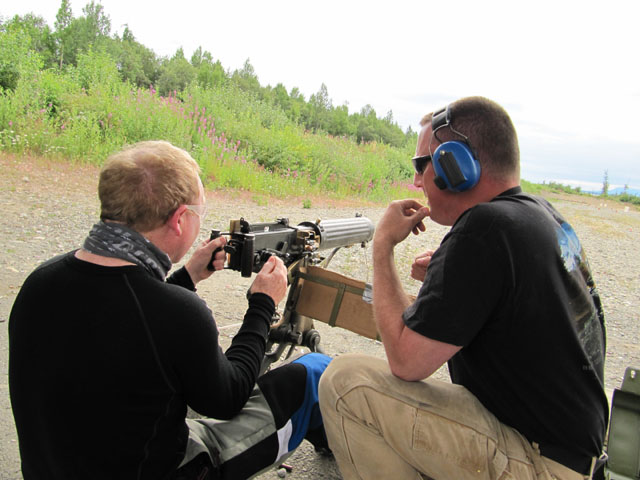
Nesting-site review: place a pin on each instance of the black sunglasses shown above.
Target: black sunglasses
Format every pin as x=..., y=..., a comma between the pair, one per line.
x=420, y=163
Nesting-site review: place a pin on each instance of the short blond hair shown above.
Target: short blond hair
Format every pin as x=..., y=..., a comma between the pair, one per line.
x=143, y=184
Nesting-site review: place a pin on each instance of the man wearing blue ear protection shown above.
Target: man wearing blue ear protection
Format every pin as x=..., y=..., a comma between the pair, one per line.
x=507, y=300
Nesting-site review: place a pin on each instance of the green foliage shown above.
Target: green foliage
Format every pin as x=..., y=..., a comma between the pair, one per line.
x=9, y=76
x=553, y=187
x=246, y=78
x=529, y=187
x=77, y=35
x=97, y=21
x=97, y=70
x=175, y=75
x=240, y=141
x=141, y=67
x=208, y=73
x=41, y=39
x=17, y=59
x=605, y=184
x=560, y=188
x=136, y=63
x=81, y=94
x=628, y=198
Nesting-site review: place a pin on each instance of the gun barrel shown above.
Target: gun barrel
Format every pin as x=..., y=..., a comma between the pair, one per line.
x=344, y=232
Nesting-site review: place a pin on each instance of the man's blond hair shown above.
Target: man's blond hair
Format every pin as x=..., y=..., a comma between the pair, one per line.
x=143, y=184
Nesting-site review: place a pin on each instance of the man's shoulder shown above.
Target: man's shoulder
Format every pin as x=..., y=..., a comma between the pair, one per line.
x=167, y=296
x=54, y=261
x=507, y=215
x=49, y=267
x=508, y=207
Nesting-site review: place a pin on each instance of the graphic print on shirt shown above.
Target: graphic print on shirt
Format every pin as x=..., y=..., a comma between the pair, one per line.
x=585, y=301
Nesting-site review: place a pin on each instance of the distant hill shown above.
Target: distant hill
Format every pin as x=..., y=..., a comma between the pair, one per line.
x=620, y=191
x=616, y=191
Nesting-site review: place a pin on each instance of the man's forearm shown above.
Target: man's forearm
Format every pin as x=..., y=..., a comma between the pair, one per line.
x=400, y=342
x=389, y=298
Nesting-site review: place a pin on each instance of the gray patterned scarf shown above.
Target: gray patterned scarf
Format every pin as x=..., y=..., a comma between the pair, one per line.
x=118, y=241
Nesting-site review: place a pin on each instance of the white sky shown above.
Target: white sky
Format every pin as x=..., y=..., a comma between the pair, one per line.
x=567, y=71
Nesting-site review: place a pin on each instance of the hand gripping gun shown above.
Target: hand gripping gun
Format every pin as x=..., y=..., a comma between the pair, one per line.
x=249, y=246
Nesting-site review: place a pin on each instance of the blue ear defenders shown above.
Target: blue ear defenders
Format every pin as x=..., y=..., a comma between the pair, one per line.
x=454, y=163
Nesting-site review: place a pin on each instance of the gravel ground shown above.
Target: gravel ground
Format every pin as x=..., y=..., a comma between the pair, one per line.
x=48, y=207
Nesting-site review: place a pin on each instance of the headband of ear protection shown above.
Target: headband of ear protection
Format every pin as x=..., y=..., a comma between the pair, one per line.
x=454, y=163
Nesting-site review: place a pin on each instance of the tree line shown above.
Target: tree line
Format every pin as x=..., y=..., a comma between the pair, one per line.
x=62, y=47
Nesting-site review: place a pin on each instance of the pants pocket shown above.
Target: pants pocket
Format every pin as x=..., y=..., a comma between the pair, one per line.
x=455, y=443
x=460, y=446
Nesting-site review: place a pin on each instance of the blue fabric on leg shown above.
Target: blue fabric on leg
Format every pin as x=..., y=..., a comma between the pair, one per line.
x=308, y=417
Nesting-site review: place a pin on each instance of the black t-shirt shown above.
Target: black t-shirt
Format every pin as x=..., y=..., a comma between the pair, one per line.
x=510, y=283
x=103, y=362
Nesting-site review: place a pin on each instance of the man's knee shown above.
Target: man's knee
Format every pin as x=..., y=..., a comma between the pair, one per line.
x=347, y=372
x=315, y=363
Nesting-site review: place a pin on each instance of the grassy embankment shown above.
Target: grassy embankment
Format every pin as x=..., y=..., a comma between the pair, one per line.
x=85, y=113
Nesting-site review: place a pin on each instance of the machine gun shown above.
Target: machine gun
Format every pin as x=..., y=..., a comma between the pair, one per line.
x=249, y=246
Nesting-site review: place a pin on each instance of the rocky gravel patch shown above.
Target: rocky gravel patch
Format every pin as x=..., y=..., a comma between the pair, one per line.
x=48, y=207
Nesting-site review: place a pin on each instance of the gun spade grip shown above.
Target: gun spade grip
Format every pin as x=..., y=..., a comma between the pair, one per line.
x=246, y=262
x=214, y=234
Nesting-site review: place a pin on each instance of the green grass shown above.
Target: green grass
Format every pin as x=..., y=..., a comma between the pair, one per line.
x=85, y=113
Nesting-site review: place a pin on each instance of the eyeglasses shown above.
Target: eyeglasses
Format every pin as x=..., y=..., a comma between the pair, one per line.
x=420, y=163
x=200, y=210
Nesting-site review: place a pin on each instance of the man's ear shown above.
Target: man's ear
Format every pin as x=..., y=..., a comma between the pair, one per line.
x=175, y=220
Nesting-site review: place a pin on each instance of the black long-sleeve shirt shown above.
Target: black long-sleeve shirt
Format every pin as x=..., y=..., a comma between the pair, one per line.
x=103, y=362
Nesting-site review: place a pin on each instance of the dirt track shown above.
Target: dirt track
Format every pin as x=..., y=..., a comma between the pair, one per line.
x=48, y=208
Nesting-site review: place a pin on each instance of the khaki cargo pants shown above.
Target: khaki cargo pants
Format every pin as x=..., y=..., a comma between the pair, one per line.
x=381, y=427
